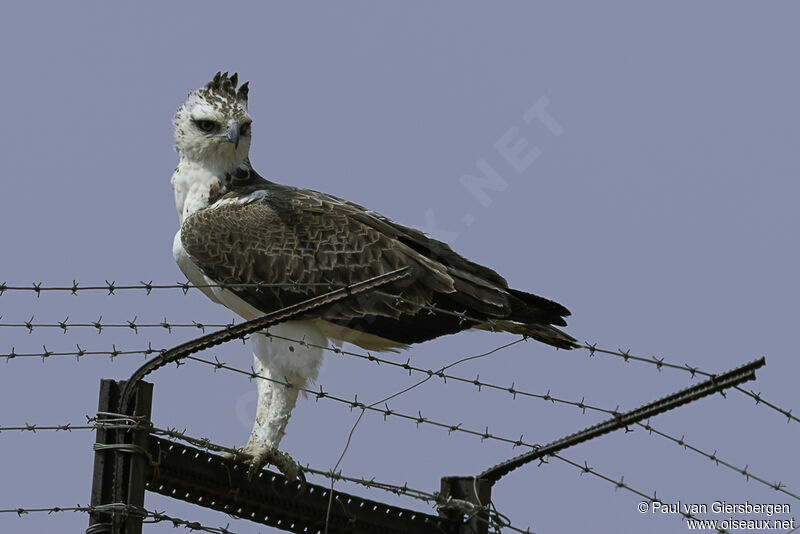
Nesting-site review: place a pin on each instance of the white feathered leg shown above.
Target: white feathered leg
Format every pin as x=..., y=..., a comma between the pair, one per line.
x=264, y=400
x=281, y=360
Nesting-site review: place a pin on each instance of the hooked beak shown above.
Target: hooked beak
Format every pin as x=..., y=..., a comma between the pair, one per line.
x=233, y=133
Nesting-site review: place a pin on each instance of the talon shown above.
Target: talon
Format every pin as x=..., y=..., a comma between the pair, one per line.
x=257, y=457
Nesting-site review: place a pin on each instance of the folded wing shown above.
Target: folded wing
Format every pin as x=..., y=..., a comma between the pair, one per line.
x=300, y=243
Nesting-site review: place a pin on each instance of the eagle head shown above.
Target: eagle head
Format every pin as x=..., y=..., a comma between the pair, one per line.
x=212, y=127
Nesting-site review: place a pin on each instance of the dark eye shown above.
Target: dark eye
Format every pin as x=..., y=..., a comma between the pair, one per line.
x=245, y=129
x=205, y=125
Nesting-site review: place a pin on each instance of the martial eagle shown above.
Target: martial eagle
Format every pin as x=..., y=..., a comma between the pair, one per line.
x=239, y=228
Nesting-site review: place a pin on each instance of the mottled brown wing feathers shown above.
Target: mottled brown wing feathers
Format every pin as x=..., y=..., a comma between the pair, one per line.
x=300, y=239
x=305, y=238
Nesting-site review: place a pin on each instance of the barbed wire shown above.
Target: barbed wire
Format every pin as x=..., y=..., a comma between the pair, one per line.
x=356, y=404
x=396, y=394
x=99, y=325
x=207, y=444
x=593, y=349
x=582, y=405
x=500, y=521
x=660, y=363
x=27, y=427
x=371, y=483
x=113, y=421
x=148, y=287
x=621, y=484
x=406, y=366
x=79, y=353
x=124, y=422
x=441, y=374
x=127, y=423
x=496, y=520
x=778, y=486
x=714, y=457
x=112, y=287
x=149, y=516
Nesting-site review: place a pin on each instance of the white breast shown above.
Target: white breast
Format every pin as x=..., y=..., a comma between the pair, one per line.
x=194, y=186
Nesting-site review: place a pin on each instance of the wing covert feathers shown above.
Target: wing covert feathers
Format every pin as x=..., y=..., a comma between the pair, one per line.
x=305, y=240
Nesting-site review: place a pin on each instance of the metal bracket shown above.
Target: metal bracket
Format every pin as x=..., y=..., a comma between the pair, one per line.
x=213, y=481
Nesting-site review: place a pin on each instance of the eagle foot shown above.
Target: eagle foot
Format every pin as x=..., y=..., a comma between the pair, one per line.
x=257, y=457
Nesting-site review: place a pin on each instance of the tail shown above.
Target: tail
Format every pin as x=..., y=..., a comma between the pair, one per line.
x=540, y=332
x=534, y=316
x=508, y=310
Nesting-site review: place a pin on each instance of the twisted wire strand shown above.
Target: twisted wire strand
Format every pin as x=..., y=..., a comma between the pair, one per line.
x=79, y=353
x=124, y=510
x=99, y=325
x=112, y=287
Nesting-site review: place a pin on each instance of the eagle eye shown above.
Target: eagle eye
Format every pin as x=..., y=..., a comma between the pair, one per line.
x=206, y=125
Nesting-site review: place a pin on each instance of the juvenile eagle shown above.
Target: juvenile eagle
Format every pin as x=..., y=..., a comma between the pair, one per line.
x=238, y=228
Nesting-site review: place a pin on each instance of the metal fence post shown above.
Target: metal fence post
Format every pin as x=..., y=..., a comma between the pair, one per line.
x=110, y=465
x=473, y=490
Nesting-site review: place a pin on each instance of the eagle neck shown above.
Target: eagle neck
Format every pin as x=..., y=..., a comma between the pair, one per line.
x=196, y=186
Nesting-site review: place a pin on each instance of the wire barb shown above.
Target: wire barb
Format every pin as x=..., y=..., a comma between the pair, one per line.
x=111, y=288
x=693, y=371
x=125, y=510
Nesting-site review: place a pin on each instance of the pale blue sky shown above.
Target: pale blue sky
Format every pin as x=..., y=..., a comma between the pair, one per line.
x=664, y=216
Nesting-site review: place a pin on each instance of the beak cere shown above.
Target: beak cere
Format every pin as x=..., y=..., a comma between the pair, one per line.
x=233, y=133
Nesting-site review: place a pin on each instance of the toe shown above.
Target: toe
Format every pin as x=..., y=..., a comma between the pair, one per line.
x=257, y=457
x=241, y=454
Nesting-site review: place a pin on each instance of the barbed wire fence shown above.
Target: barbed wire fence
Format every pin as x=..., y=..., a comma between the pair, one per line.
x=455, y=509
